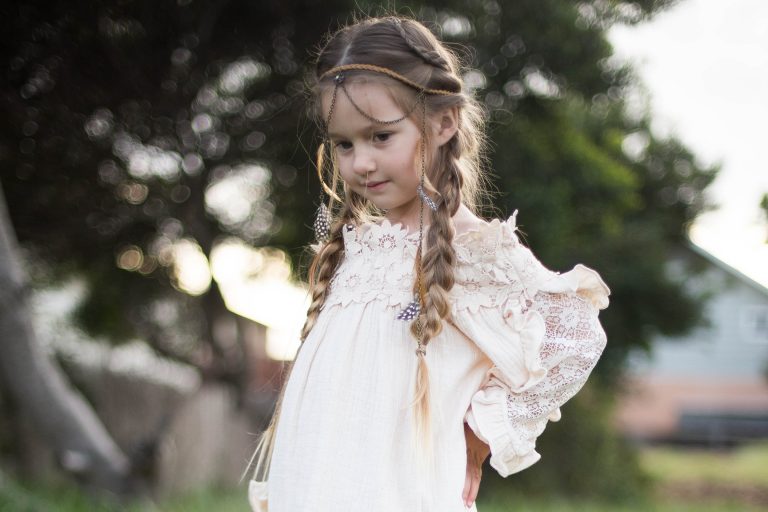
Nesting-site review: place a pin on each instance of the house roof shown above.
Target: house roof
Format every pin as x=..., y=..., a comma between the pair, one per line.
x=726, y=267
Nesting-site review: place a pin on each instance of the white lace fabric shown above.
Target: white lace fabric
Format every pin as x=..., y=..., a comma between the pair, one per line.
x=562, y=341
x=536, y=331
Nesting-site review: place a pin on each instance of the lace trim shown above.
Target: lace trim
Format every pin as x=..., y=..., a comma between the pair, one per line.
x=379, y=259
x=572, y=346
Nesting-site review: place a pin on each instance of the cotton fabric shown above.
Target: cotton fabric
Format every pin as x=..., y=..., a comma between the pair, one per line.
x=522, y=341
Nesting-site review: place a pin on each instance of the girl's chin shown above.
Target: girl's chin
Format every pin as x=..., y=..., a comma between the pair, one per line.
x=385, y=202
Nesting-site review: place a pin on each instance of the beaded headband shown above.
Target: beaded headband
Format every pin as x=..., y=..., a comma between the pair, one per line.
x=386, y=71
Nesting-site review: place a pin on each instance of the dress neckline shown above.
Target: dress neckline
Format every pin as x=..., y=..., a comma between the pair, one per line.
x=413, y=237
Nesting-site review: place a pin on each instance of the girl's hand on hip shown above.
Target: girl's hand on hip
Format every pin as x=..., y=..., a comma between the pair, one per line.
x=477, y=451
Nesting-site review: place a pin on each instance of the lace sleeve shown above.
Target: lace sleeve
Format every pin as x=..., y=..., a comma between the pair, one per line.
x=574, y=342
x=543, y=339
x=540, y=330
x=510, y=418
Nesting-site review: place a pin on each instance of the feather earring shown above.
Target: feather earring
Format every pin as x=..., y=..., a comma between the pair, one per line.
x=323, y=218
x=322, y=224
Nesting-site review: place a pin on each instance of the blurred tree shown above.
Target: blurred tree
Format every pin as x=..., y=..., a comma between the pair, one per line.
x=40, y=391
x=139, y=131
x=136, y=132
x=573, y=151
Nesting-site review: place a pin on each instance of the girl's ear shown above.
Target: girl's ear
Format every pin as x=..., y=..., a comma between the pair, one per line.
x=445, y=125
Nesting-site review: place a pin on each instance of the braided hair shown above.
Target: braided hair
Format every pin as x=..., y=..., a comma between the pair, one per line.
x=453, y=175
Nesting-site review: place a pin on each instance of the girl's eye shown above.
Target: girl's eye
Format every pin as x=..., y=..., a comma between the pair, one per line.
x=384, y=136
x=343, y=145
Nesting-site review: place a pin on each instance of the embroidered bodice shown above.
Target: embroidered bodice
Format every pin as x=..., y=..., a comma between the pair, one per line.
x=492, y=266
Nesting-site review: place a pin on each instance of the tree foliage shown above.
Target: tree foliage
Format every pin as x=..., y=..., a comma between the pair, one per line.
x=39, y=390
x=135, y=127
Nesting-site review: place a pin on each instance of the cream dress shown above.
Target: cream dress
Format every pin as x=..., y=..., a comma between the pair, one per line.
x=522, y=341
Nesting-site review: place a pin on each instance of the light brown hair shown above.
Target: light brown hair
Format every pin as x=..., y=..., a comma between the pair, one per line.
x=454, y=174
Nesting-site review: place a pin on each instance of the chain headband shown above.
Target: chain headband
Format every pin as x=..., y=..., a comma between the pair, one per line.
x=389, y=72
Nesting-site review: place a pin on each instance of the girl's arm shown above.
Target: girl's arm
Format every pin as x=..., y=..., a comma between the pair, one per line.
x=539, y=328
x=477, y=452
x=544, y=339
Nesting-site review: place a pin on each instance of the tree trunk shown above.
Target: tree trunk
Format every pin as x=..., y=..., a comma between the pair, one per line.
x=39, y=388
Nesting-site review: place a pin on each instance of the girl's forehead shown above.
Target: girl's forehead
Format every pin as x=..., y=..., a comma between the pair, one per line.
x=372, y=98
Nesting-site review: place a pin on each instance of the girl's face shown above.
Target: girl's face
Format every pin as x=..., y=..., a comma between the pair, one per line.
x=380, y=162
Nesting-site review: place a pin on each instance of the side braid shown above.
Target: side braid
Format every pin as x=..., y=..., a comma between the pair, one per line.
x=440, y=258
x=429, y=55
x=439, y=278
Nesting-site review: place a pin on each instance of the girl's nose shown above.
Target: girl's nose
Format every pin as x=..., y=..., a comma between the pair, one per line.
x=363, y=163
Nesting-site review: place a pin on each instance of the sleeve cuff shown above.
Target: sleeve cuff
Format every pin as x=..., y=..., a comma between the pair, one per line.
x=510, y=453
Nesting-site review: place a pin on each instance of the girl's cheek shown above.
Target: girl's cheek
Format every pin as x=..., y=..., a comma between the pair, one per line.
x=348, y=179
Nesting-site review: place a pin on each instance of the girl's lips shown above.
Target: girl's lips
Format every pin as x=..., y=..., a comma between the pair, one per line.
x=375, y=184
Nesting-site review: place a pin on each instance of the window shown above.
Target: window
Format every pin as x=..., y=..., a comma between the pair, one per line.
x=754, y=323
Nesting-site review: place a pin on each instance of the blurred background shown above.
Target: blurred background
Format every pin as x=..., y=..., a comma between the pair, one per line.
x=157, y=193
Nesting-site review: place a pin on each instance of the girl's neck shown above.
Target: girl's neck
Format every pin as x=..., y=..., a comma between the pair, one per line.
x=408, y=216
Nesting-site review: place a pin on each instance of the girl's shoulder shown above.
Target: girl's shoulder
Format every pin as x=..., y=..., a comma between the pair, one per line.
x=492, y=257
x=488, y=264
x=486, y=241
x=491, y=265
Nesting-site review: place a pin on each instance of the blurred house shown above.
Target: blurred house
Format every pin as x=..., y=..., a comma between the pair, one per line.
x=710, y=386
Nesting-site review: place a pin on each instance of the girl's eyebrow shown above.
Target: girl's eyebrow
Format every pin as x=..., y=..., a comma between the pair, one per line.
x=368, y=129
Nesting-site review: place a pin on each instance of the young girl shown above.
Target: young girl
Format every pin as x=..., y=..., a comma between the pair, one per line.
x=434, y=338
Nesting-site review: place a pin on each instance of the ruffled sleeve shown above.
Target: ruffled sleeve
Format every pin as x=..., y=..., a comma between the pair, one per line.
x=544, y=339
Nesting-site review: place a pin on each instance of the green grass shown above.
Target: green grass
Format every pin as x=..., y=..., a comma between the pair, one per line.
x=68, y=500
x=15, y=497
x=747, y=465
x=534, y=505
x=219, y=501
x=673, y=469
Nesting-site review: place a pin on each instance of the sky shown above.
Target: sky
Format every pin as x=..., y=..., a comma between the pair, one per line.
x=705, y=65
